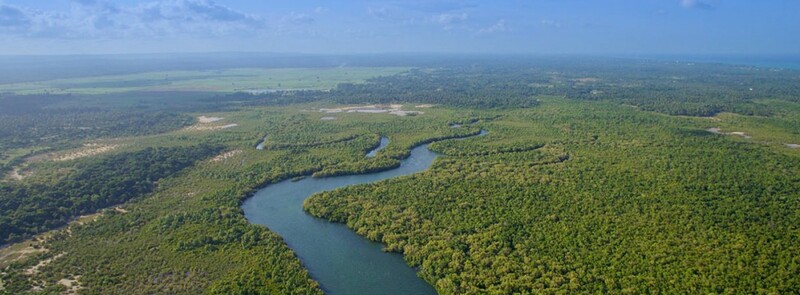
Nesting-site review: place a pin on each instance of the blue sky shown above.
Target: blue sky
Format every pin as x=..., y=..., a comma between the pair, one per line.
x=435, y=26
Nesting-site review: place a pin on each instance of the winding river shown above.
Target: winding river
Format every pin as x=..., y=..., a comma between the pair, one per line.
x=336, y=257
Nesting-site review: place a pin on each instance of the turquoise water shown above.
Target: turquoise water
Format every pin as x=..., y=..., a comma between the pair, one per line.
x=339, y=259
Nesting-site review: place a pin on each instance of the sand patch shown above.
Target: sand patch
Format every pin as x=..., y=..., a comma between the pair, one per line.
x=793, y=145
x=35, y=269
x=206, y=120
x=327, y=118
x=423, y=106
x=226, y=155
x=19, y=251
x=16, y=174
x=209, y=128
x=73, y=286
x=393, y=109
x=90, y=149
x=737, y=133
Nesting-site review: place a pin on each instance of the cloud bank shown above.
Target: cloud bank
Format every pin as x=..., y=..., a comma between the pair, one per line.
x=101, y=19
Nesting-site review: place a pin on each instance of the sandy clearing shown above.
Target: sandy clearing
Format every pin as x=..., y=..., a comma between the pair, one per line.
x=793, y=145
x=423, y=106
x=73, y=286
x=209, y=128
x=394, y=109
x=226, y=155
x=327, y=118
x=737, y=133
x=17, y=252
x=206, y=120
x=15, y=175
x=90, y=149
x=35, y=269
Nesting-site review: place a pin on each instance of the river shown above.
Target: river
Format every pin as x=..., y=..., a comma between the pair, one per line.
x=336, y=257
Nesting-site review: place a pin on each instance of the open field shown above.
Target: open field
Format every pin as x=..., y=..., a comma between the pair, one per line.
x=230, y=80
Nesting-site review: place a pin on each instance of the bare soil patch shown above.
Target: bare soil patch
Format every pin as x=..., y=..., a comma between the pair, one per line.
x=394, y=109
x=90, y=149
x=35, y=269
x=16, y=174
x=72, y=284
x=206, y=120
x=327, y=118
x=209, y=128
x=226, y=155
x=19, y=251
x=737, y=133
x=793, y=145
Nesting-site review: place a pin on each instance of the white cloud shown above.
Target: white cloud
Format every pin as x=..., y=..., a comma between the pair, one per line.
x=550, y=23
x=320, y=10
x=12, y=16
x=499, y=26
x=298, y=18
x=451, y=18
x=96, y=18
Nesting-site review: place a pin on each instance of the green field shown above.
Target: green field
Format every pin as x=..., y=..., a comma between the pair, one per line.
x=226, y=80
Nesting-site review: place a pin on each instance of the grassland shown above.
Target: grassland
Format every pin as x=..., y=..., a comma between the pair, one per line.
x=228, y=80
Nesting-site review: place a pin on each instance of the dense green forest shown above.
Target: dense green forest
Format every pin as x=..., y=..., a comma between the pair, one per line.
x=595, y=176
x=646, y=207
x=30, y=209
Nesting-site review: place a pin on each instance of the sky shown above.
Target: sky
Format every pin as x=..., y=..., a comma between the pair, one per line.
x=412, y=26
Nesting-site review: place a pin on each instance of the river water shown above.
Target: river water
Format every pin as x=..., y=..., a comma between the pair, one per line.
x=339, y=259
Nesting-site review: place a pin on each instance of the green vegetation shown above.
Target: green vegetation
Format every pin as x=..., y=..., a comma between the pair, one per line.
x=643, y=204
x=571, y=191
x=30, y=209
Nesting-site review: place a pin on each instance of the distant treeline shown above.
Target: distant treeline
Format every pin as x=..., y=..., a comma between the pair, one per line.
x=29, y=120
x=675, y=89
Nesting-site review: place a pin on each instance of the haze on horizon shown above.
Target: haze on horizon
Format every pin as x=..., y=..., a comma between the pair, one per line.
x=437, y=26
